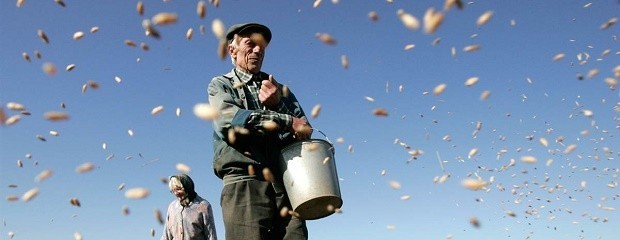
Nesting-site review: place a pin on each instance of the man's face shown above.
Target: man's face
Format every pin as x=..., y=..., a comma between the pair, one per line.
x=250, y=52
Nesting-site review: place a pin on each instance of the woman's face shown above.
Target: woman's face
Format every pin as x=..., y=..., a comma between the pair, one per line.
x=249, y=53
x=179, y=192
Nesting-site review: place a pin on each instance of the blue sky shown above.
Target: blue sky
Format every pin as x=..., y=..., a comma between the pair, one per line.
x=531, y=97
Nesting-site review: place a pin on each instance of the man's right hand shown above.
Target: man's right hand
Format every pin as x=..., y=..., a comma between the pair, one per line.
x=301, y=129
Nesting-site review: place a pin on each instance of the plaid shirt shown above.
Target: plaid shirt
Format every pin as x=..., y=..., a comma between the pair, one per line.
x=239, y=106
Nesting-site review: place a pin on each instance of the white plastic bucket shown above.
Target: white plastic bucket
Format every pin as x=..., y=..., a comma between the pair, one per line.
x=310, y=178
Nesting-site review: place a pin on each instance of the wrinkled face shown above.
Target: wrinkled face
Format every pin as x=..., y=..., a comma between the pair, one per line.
x=249, y=52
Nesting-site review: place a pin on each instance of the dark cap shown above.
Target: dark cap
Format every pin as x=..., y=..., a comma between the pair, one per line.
x=248, y=28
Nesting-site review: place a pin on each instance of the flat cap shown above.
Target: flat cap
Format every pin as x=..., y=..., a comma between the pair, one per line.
x=248, y=28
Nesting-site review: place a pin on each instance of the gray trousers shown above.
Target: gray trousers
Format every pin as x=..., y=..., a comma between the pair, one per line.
x=251, y=211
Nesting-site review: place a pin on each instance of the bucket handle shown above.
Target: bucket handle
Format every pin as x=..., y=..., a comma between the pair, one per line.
x=324, y=135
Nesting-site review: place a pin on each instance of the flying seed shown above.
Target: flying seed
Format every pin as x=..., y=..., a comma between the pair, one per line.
x=15, y=106
x=449, y=3
x=410, y=21
x=592, y=73
x=316, y=3
x=121, y=186
x=559, y=57
x=49, y=68
x=41, y=138
x=373, y=16
x=178, y=112
x=201, y=9
x=380, y=112
x=472, y=153
x=471, y=81
x=405, y=197
x=202, y=29
x=474, y=184
x=26, y=56
x=56, y=116
x=439, y=89
x=544, y=142
x=218, y=29
x=140, y=8
x=587, y=113
x=326, y=38
x=75, y=202
x=164, y=18
x=471, y=48
x=12, y=198
x=511, y=213
x=484, y=18
x=85, y=167
x=316, y=110
x=30, y=194
x=474, y=222
x=152, y=232
x=70, y=67
x=130, y=43
x=157, y=110
x=432, y=20
x=205, y=111
x=268, y=175
x=20, y=164
x=528, y=159
x=117, y=79
x=222, y=49
x=609, y=23
x=43, y=36
x=144, y=46
x=137, y=193
x=189, y=33
x=37, y=54
x=344, y=61
x=19, y=4
x=284, y=212
x=485, y=95
x=394, y=184
x=181, y=167
x=60, y=2
x=125, y=210
x=130, y=132
x=159, y=217
x=78, y=35
x=43, y=175
x=94, y=29
x=149, y=30
x=570, y=148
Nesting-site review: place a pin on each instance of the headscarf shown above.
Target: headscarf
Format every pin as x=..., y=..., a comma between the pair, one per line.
x=188, y=186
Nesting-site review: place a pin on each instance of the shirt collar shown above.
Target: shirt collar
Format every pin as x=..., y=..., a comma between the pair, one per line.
x=246, y=77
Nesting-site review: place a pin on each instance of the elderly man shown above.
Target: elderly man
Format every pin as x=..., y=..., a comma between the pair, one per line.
x=257, y=118
x=189, y=217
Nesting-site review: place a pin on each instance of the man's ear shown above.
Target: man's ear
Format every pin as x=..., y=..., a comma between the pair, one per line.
x=232, y=51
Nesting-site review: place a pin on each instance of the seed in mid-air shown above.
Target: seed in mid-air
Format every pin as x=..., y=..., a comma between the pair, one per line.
x=201, y=9
x=43, y=36
x=164, y=18
x=484, y=18
x=410, y=21
x=78, y=35
x=137, y=193
x=326, y=38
